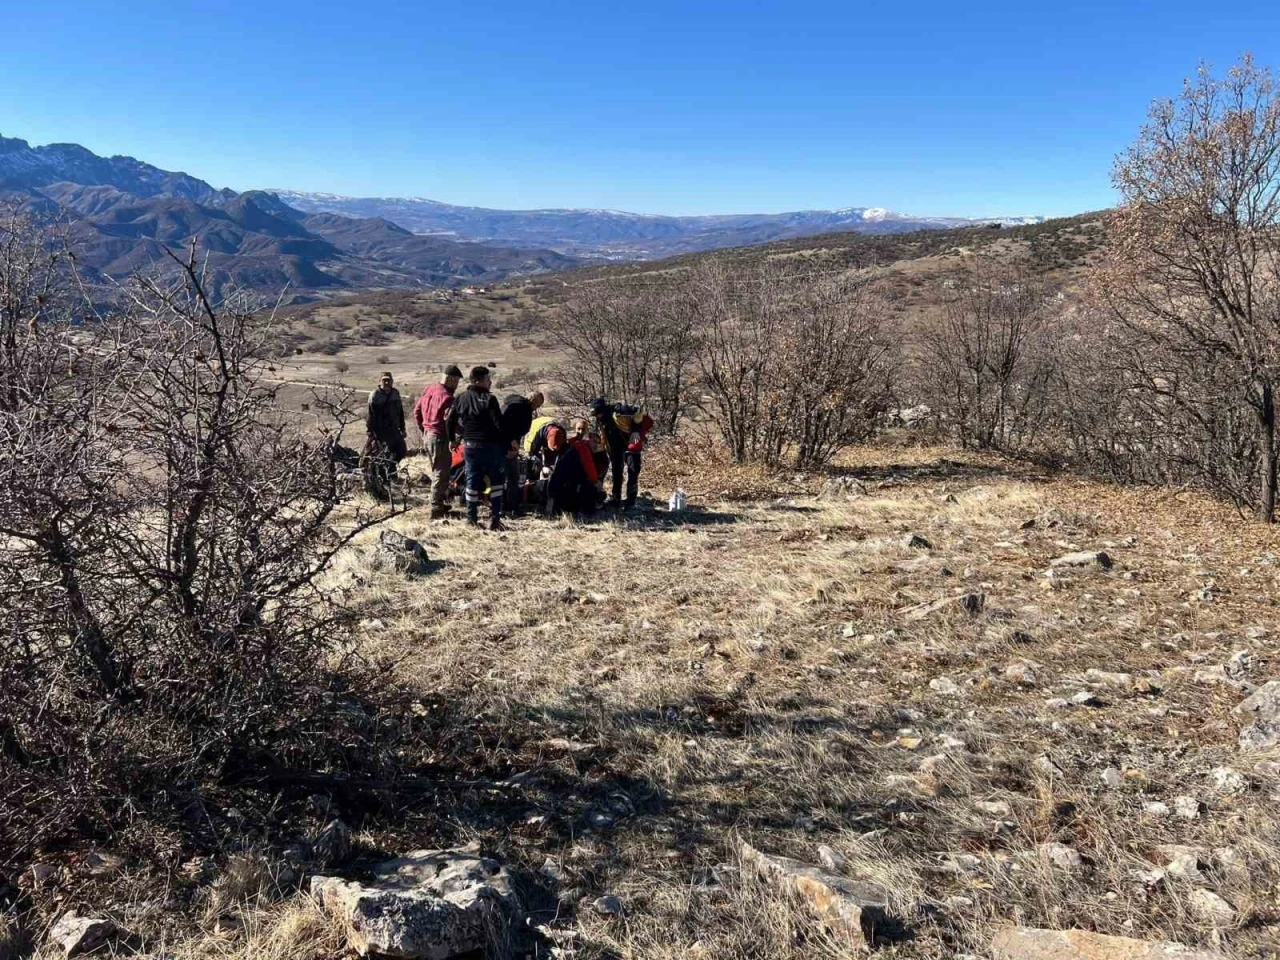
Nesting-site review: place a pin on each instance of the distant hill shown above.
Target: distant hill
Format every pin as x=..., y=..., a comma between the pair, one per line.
x=123, y=213
x=615, y=235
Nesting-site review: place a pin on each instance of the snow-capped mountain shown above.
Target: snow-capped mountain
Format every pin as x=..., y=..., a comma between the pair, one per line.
x=617, y=234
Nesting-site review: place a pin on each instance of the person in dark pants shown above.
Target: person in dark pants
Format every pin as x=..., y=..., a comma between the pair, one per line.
x=431, y=413
x=476, y=422
x=623, y=430
x=384, y=420
x=572, y=487
x=517, y=419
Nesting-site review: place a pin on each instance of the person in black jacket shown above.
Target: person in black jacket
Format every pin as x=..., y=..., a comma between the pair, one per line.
x=517, y=417
x=476, y=422
x=384, y=420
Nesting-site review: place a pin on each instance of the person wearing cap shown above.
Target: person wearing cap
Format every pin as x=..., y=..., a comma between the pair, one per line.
x=384, y=419
x=475, y=420
x=431, y=414
x=623, y=430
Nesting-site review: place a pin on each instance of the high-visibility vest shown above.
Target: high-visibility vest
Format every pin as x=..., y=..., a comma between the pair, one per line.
x=538, y=424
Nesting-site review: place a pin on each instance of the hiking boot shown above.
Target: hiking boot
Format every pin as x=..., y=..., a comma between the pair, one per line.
x=439, y=513
x=496, y=525
x=473, y=516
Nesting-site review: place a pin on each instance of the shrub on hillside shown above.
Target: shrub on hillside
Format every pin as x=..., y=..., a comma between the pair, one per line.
x=162, y=535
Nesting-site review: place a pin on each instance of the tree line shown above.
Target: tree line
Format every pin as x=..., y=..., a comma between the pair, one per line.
x=1161, y=368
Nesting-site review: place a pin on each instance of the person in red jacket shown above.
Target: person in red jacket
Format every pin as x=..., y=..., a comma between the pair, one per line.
x=431, y=414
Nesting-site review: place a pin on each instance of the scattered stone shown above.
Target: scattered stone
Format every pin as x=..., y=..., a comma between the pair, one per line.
x=1228, y=782
x=1112, y=778
x=1087, y=698
x=1045, y=764
x=1184, y=867
x=609, y=906
x=993, y=808
x=428, y=905
x=1085, y=558
x=841, y=488
x=1117, y=681
x=1020, y=672
x=1061, y=855
x=552, y=870
x=832, y=860
x=917, y=542
x=1210, y=907
x=42, y=874
x=405, y=554
x=1027, y=943
x=1155, y=808
x=77, y=935
x=1187, y=808
x=1263, y=706
x=840, y=903
x=945, y=686
x=970, y=603
x=1057, y=703
x=1239, y=664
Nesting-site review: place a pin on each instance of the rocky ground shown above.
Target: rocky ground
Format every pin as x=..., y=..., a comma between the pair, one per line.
x=959, y=697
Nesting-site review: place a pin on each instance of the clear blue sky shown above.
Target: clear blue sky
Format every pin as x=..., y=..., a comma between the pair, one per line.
x=957, y=107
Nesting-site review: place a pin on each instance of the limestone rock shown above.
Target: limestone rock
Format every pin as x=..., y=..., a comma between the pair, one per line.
x=404, y=553
x=428, y=905
x=1263, y=706
x=841, y=904
x=1211, y=908
x=1026, y=943
x=77, y=935
x=1061, y=856
x=609, y=906
x=1085, y=558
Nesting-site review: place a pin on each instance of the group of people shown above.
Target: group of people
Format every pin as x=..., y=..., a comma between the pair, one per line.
x=508, y=454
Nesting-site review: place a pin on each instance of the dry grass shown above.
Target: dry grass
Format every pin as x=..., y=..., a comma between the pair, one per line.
x=654, y=690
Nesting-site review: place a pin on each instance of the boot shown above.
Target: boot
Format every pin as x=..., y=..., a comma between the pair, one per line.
x=473, y=514
x=495, y=515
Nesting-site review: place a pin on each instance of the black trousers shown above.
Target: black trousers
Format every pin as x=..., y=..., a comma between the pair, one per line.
x=628, y=461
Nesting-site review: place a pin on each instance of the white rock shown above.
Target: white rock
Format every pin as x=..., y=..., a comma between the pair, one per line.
x=1155, y=808
x=77, y=935
x=428, y=905
x=1263, y=708
x=1061, y=855
x=1228, y=782
x=945, y=686
x=993, y=808
x=609, y=906
x=1184, y=867
x=1112, y=777
x=1187, y=808
x=1084, y=558
x=1210, y=907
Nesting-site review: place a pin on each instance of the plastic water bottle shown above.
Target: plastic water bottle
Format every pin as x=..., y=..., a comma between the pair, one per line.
x=677, y=502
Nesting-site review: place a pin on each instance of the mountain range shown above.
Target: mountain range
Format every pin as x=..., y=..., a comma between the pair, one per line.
x=122, y=215
x=616, y=235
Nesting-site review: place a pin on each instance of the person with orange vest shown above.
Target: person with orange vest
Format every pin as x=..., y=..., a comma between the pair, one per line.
x=573, y=486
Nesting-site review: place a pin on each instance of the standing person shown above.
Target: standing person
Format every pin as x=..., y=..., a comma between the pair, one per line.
x=384, y=420
x=431, y=414
x=517, y=419
x=476, y=421
x=623, y=430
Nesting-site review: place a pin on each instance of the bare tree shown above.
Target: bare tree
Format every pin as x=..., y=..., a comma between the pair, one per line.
x=988, y=366
x=1194, y=260
x=630, y=343
x=792, y=366
x=163, y=531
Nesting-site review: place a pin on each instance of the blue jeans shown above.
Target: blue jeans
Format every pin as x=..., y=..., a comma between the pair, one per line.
x=485, y=461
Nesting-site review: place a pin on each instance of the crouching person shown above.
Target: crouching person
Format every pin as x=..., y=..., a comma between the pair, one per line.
x=476, y=422
x=573, y=486
x=623, y=430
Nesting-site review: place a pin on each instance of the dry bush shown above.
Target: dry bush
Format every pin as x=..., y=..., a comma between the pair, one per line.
x=988, y=364
x=162, y=532
x=793, y=368
x=633, y=343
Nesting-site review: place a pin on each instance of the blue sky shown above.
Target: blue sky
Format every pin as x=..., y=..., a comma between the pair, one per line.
x=710, y=107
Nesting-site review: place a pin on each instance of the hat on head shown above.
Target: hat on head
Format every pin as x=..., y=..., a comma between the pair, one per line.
x=452, y=371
